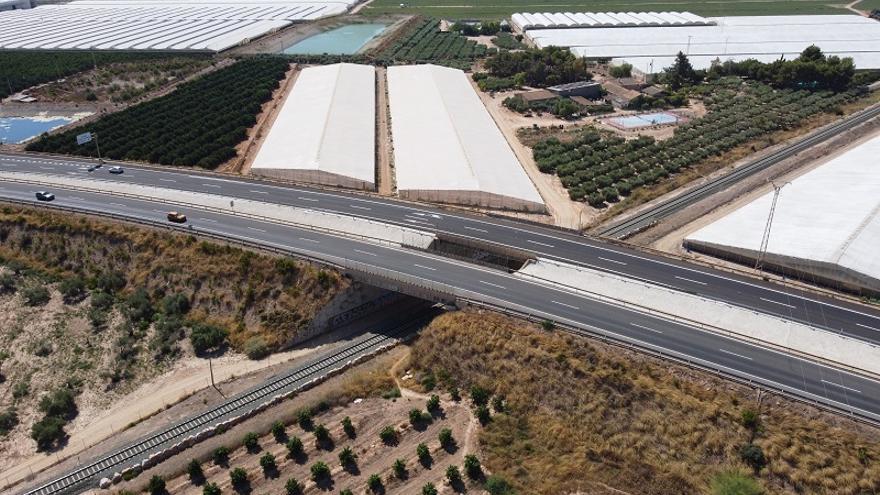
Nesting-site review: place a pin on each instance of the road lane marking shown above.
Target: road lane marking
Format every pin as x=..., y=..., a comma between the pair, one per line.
x=540, y=243
x=779, y=303
x=725, y=351
x=207, y=220
x=117, y=204
x=215, y=186
x=310, y=240
x=258, y=230
x=612, y=261
x=493, y=285
x=47, y=168
x=477, y=230
x=75, y=198
x=167, y=180
x=868, y=327
x=356, y=207
x=646, y=328
x=259, y=192
x=842, y=386
x=308, y=199
x=566, y=305
x=691, y=280
x=425, y=267
x=365, y=252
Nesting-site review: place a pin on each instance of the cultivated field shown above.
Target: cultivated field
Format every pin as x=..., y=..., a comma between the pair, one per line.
x=458, y=9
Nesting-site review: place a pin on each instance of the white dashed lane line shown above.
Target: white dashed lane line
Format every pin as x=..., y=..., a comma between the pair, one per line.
x=493, y=285
x=842, y=386
x=725, y=351
x=779, y=303
x=691, y=280
x=645, y=328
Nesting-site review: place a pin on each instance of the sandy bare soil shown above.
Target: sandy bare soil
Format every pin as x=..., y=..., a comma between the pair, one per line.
x=384, y=143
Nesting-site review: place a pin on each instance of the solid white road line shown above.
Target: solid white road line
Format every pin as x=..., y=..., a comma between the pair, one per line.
x=735, y=354
x=868, y=327
x=645, y=328
x=167, y=180
x=842, y=386
x=258, y=192
x=691, y=280
x=365, y=252
x=477, y=230
x=493, y=285
x=425, y=267
x=540, y=243
x=310, y=240
x=779, y=303
x=308, y=199
x=612, y=261
x=566, y=305
x=356, y=207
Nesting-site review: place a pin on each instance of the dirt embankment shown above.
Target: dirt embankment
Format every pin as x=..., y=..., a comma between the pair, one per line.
x=584, y=417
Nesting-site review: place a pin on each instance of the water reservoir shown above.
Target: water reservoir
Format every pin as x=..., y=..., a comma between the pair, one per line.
x=643, y=120
x=17, y=130
x=345, y=40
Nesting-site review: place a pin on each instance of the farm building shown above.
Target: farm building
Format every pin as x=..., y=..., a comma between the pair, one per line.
x=587, y=89
x=447, y=148
x=826, y=225
x=325, y=130
x=766, y=38
x=210, y=25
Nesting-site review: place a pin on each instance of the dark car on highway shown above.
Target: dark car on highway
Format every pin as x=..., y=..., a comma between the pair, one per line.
x=45, y=196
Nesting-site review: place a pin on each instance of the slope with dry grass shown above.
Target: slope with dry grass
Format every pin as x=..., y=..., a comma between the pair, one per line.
x=587, y=417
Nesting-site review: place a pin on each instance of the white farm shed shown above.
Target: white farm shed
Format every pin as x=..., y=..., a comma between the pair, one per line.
x=826, y=226
x=447, y=148
x=766, y=38
x=325, y=131
x=199, y=25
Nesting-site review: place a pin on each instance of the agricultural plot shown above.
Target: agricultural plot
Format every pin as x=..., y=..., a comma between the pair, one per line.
x=457, y=9
x=426, y=43
x=22, y=70
x=199, y=124
x=599, y=169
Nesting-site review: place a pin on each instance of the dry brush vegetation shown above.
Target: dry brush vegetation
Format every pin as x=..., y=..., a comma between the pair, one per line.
x=93, y=308
x=585, y=416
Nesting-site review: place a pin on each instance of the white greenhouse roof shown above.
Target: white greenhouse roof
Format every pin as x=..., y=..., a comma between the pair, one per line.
x=325, y=130
x=446, y=141
x=154, y=24
x=729, y=38
x=829, y=216
x=525, y=21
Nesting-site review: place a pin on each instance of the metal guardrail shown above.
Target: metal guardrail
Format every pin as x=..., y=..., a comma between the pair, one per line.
x=647, y=218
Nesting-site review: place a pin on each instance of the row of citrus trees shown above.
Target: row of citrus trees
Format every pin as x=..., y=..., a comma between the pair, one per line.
x=599, y=168
x=199, y=124
x=426, y=43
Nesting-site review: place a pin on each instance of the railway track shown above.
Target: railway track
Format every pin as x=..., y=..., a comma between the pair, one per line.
x=296, y=379
x=647, y=218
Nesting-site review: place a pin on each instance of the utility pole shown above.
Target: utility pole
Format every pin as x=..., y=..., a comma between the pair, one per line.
x=98, y=147
x=765, y=240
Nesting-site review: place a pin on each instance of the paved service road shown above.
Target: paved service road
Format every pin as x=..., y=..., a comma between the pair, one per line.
x=853, y=320
x=782, y=372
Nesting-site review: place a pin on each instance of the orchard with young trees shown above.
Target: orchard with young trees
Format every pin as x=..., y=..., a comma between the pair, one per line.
x=199, y=124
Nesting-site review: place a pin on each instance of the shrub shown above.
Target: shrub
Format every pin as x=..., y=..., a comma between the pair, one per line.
x=278, y=432
x=453, y=475
x=59, y=403
x=322, y=434
x=418, y=418
x=238, y=476
x=47, y=432
x=749, y=419
x=304, y=419
x=194, y=469
x=483, y=415
x=251, y=441
x=429, y=489
x=479, y=395
x=101, y=301
x=204, y=337
x=156, y=485
x=346, y=492
x=175, y=304
x=374, y=482
x=267, y=462
x=72, y=289
x=399, y=468
x=35, y=295
x=256, y=347
x=433, y=404
x=498, y=403
x=454, y=394
x=221, y=455
x=138, y=307
x=423, y=453
x=446, y=439
x=7, y=283
x=472, y=467
x=110, y=282
x=293, y=487
x=388, y=435
x=295, y=447
x=211, y=489
x=8, y=421
x=497, y=485
x=734, y=483
x=347, y=457
x=320, y=472
x=753, y=456
x=348, y=427
x=548, y=325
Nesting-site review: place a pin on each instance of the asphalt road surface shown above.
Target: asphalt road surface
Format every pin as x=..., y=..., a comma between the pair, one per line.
x=774, y=370
x=789, y=303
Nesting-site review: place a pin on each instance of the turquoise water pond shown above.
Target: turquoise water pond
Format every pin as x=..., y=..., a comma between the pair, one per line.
x=20, y=129
x=345, y=40
x=644, y=120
